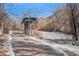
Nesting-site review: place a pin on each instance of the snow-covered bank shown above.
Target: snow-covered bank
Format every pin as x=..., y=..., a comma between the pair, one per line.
x=7, y=45
x=54, y=35
x=25, y=43
x=61, y=48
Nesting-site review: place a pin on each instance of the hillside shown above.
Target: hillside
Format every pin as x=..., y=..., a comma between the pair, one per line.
x=59, y=22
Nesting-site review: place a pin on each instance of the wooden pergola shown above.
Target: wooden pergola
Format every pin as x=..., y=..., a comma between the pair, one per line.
x=27, y=24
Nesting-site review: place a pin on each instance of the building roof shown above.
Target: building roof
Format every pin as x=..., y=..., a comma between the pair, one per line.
x=27, y=19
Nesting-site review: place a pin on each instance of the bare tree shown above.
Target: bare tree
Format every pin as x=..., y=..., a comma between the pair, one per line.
x=72, y=7
x=5, y=16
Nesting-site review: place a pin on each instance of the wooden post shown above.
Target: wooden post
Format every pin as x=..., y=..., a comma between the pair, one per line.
x=29, y=25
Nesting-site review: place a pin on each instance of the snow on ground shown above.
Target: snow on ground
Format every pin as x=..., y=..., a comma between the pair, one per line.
x=60, y=47
x=55, y=35
x=7, y=46
x=35, y=46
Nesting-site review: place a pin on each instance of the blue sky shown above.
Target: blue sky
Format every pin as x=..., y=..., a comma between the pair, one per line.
x=42, y=9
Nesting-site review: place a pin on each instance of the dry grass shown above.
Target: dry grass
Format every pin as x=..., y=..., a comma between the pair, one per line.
x=41, y=24
x=40, y=28
x=2, y=38
x=37, y=34
x=2, y=53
